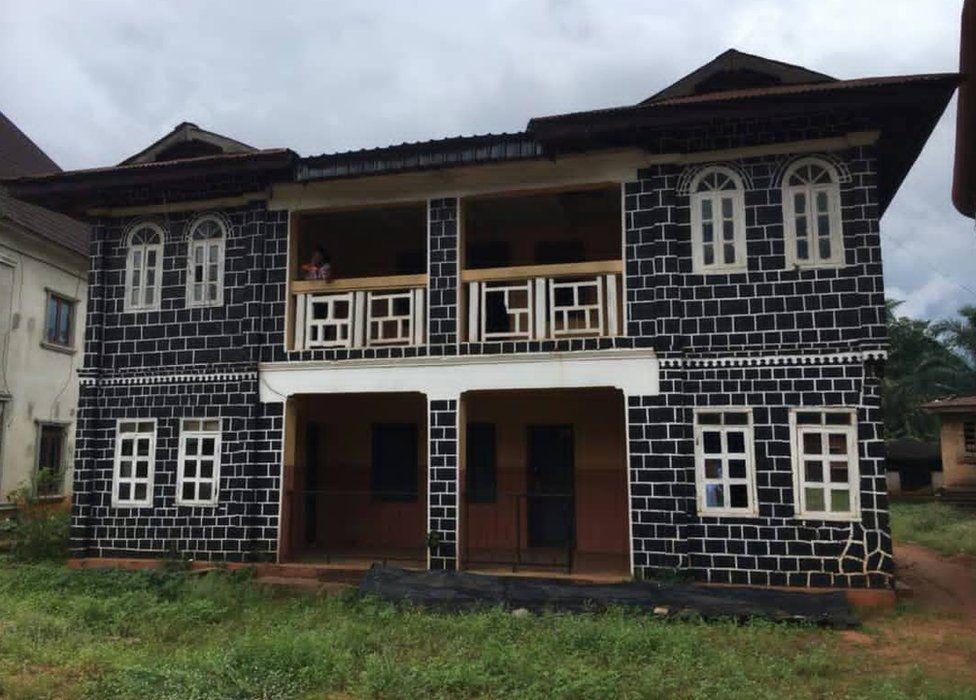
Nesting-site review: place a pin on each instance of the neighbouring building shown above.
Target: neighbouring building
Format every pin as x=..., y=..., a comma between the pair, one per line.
x=626, y=341
x=43, y=286
x=957, y=417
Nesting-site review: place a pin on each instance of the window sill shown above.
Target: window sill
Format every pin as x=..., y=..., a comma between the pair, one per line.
x=830, y=517
x=816, y=265
x=720, y=513
x=65, y=349
x=196, y=504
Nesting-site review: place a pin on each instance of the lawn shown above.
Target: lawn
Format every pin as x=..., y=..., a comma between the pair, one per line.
x=115, y=634
x=944, y=528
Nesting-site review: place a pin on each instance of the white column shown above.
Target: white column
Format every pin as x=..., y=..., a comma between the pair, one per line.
x=539, y=301
x=300, y=303
x=359, y=319
x=419, y=309
x=613, y=323
x=474, y=305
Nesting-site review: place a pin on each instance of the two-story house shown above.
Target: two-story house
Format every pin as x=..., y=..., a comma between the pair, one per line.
x=624, y=341
x=43, y=278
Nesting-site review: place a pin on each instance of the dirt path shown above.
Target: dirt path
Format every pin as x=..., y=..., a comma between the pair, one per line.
x=939, y=584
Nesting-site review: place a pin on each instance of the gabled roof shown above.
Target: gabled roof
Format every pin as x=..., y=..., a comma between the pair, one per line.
x=187, y=140
x=21, y=157
x=734, y=70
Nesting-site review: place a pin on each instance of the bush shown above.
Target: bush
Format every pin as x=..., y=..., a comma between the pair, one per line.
x=39, y=531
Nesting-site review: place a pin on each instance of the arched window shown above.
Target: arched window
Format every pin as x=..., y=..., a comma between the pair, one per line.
x=205, y=259
x=811, y=214
x=718, y=221
x=144, y=267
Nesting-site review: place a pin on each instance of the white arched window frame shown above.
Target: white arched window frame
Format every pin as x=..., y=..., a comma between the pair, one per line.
x=811, y=214
x=205, y=262
x=144, y=267
x=718, y=221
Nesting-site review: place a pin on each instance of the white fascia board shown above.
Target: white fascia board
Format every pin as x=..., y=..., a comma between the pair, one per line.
x=635, y=372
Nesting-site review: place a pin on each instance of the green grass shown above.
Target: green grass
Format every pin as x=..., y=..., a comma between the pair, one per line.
x=114, y=634
x=941, y=527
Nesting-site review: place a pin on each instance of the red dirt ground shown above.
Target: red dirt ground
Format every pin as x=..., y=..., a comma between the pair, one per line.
x=936, y=629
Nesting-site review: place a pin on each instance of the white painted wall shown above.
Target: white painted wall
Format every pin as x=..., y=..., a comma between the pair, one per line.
x=632, y=371
x=38, y=383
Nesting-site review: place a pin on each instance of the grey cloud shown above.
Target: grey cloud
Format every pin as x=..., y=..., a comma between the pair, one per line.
x=95, y=82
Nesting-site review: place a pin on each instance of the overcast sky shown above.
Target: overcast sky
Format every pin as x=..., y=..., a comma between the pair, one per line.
x=92, y=83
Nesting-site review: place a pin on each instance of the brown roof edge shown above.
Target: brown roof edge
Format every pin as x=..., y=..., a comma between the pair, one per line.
x=61, y=191
x=955, y=404
x=747, y=94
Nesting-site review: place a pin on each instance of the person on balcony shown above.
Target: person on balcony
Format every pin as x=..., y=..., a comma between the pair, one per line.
x=319, y=267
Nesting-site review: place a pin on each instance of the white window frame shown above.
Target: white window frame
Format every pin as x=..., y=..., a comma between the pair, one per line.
x=838, y=257
x=801, y=512
x=752, y=509
x=738, y=223
x=116, y=467
x=192, y=244
x=214, y=480
x=144, y=249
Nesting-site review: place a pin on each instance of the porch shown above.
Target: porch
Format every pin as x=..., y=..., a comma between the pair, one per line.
x=355, y=491
x=544, y=483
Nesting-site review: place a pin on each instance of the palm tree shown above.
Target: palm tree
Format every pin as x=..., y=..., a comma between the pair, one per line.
x=920, y=368
x=959, y=335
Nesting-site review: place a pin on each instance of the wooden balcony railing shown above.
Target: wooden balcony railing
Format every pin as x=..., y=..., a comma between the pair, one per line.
x=359, y=312
x=538, y=302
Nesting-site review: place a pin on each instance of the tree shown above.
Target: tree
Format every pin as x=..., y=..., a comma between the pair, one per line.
x=959, y=335
x=920, y=368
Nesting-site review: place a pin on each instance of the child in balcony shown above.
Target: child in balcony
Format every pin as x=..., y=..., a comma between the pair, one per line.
x=319, y=267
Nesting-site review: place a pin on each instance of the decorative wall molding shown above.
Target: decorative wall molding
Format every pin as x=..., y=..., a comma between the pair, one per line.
x=169, y=378
x=774, y=360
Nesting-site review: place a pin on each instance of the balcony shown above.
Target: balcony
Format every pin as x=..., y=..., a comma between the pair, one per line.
x=363, y=312
x=544, y=302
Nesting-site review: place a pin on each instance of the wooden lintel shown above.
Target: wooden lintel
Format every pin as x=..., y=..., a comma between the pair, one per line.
x=357, y=283
x=595, y=267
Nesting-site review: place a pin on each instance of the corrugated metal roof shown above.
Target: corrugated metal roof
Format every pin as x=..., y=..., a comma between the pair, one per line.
x=419, y=155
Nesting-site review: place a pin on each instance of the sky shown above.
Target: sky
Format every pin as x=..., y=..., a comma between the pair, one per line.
x=95, y=82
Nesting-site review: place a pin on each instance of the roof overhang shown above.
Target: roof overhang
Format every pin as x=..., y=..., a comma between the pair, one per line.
x=77, y=191
x=904, y=109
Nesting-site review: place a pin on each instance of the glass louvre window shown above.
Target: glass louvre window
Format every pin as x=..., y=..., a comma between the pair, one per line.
x=825, y=463
x=59, y=321
x=205, y=277
x=135, y=457
x=725, y=469
x=969, y=439
x=718, y=221
x=198, y=474
x=812, y=200
x=144, y=268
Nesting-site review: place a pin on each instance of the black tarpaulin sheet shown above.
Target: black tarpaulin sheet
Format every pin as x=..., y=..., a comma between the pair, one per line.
x=451, y=590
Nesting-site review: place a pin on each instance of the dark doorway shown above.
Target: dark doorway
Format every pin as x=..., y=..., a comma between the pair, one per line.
x=551, y=521
x=394, y=462
x=312, y=437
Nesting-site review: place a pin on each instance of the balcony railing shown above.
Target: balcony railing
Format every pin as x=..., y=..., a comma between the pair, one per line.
x=539, y=302
x=360, y=312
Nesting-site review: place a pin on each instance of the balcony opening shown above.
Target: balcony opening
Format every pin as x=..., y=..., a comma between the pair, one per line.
x=356, y=493
x=358, y=277
x=542, y=266
x=544, y=482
